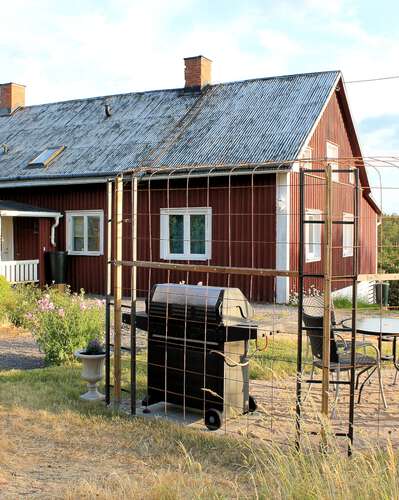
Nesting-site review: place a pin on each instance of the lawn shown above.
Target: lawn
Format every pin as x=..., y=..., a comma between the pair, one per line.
x=278, y=360
x=55, y=446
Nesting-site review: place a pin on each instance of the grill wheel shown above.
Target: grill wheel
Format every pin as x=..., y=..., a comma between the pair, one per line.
x=252, y=404
x=213, y=419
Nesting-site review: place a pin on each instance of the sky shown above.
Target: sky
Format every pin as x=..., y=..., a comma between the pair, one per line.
x=67, y=49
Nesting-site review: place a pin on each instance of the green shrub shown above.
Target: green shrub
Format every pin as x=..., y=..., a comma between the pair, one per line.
x=393, y=299
x=7, y=299
x=346, y=303
x=388, y=256
x=63, y=323
x=24, y=299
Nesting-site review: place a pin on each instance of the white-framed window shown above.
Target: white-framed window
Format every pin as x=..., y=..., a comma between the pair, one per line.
x=352, y=177
x=85, y=232
x=186, y=233
x=332, y=157
x=313, y=236
x=307, y=157
x=347, y=235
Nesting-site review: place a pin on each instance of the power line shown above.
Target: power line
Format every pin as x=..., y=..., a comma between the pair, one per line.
x=374, y=79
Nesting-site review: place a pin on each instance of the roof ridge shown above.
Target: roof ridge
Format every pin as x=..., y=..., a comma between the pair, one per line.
x=279, y=77
x=179, y=89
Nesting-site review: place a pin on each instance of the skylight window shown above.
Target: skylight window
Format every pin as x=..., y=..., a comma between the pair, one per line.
x=46, y=157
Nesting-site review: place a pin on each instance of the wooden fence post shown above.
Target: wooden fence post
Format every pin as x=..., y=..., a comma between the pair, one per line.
x=133, y=286
x=118, y=230
x=327, y=270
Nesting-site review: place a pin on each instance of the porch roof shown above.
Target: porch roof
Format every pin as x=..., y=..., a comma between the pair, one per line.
x=11, y=208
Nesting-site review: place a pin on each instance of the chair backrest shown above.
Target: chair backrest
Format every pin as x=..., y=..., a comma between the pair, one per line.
x=313, y=308
x=313, y=305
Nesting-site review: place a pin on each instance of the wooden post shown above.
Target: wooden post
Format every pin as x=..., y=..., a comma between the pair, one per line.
x=44, y=244
x=108, y=297
x=118, y=226
x=133, y=286
x=109, y=236
x=327, y=270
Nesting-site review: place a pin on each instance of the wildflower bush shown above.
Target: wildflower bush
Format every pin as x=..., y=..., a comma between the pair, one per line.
x=7, y=299
x=63, y=323
x=23, y=301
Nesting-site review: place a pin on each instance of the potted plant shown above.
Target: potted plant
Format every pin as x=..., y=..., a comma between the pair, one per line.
x=93, y=366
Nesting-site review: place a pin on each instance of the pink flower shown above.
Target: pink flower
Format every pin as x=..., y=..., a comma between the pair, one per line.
x=82, y=306
x=45, y=304
x=61, y=312
x=29, y=316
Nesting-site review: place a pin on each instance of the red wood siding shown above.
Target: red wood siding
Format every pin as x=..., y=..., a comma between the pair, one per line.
x=84, y=272
x=368, y=238
x=89, y=272
x=44, y=244
x=332, y=128
x=244, y=228
x=26, y=238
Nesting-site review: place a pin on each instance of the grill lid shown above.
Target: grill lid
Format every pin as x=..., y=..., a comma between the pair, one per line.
x=230, y=303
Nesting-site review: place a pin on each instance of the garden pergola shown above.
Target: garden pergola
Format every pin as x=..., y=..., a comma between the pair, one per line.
x=123, y=193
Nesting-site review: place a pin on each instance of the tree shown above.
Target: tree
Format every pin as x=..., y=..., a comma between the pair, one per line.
x=388, y=254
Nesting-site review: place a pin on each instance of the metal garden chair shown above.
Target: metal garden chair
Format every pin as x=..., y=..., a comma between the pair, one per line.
x=340, y=350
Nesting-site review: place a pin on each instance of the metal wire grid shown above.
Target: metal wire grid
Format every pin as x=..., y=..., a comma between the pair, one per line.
x=268, y=407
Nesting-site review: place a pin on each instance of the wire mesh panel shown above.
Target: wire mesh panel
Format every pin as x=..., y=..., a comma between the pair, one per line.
x=226, y=306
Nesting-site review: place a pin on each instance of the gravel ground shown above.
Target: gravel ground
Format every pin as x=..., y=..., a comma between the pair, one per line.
x=18, y=350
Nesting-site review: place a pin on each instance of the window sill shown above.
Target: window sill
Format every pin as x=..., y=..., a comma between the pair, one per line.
x=85, y=254
x=348, y=255
x=310, y=260
x=186, y=257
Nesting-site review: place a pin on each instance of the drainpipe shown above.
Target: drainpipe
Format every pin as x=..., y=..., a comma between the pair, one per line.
x=53, y=227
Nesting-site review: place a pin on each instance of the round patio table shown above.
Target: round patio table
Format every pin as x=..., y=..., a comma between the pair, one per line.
x=386, y=329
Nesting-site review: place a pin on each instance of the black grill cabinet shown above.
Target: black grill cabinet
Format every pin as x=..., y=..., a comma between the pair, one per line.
x=198, y=338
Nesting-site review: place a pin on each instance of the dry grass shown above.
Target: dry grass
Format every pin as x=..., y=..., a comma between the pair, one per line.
x=70, y=456
x=52, y=445
x=8, y=330
x=67, y=455
x=55, y=446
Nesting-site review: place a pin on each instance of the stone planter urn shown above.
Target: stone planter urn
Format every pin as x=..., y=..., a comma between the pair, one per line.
x=92, y=372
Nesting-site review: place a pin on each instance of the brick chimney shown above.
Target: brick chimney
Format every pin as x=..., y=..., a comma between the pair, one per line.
x=12, y=96
x=197, y=72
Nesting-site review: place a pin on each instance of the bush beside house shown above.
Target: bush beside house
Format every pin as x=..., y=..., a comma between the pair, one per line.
x=61, y=322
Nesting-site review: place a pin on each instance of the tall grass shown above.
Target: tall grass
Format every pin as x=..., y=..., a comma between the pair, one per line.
x=266, y=472
x=283, y=474
x=97, y=453
x=278, y=360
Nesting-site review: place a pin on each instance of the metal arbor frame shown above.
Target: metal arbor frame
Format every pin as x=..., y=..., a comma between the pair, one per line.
x=115, y=264
x=327, y=277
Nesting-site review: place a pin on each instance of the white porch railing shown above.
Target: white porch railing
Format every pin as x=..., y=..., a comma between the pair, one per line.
x=19, y=271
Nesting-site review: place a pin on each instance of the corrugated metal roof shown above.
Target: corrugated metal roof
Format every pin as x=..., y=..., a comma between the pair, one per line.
x=251, y=121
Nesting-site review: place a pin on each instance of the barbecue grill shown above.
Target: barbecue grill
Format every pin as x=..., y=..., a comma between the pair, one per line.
x=198, y=339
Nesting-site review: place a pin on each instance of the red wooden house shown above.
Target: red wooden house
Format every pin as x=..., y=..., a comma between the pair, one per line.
x=56, y=158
